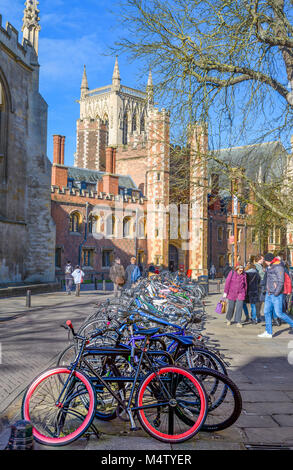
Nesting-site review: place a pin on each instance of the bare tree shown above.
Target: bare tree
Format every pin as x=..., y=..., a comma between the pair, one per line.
x=228, y=63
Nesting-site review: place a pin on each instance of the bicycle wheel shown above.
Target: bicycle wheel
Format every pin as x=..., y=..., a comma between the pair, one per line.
x=224, y=402
x=67, y=356
x=108, y=338
x=60, y=404
x=200, y=357
x=166, y=399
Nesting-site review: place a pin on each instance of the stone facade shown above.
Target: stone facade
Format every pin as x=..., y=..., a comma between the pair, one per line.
x=27, y=231
x=121, y=133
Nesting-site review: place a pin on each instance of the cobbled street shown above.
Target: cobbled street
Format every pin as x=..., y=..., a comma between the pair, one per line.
x=31, y=340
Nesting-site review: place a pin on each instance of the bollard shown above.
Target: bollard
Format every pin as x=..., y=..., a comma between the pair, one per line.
x=96, y=284
x=219, y=286
x=21, y=436
x=104, y=285
x=28, y=298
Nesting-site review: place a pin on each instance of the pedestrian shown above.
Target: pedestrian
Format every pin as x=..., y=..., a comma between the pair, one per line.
x=78, y=276
x=68, y=277
x=259, y=264
x=275, y=280
x=235, y=291
x=227, y=268
x=117, y=276
x=213, y=272
x=132, y=273
x=252, y=293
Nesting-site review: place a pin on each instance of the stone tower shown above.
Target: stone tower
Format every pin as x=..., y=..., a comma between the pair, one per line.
x=109, y=116
x=198, y=216
x=31, y=26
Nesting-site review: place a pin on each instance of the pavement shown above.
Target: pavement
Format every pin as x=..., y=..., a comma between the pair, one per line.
x=261, y=368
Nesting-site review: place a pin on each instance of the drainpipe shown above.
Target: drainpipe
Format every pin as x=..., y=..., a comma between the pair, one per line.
x=85, y=234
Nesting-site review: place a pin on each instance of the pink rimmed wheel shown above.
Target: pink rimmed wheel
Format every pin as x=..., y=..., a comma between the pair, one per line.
x=60, y=404
x=171, y=404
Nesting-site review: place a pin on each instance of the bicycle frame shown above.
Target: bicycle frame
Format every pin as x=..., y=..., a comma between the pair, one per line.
x=144, y=354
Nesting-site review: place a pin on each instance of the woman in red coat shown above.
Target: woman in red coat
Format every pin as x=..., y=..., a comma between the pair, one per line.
x=235, y=291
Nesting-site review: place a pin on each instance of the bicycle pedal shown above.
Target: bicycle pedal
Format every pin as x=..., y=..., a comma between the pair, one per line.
x=136, y=428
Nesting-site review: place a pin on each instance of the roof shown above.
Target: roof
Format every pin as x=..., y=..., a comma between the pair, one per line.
x=92, y=176
x=262, y=162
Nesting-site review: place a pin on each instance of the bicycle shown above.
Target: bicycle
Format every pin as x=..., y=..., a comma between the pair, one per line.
x=170, y=402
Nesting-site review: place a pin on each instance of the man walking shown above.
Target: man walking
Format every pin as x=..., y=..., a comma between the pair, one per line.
x=68, y=277
x=132, y=273
x=117, y=276
x=259, y=260
x=275, y=278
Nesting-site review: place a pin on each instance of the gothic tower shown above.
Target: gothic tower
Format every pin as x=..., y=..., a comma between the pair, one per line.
x=109, y=116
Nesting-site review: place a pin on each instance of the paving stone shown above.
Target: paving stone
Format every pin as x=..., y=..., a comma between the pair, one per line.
x=284, y=419
x=280, y=435
x=254, y=396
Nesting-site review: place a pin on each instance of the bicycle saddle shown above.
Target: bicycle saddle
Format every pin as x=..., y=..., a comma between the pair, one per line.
x=148, y=332
x=184, y=340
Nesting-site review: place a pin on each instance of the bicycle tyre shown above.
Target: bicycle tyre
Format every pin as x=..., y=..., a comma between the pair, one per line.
x=49, y=385
x=149, y=423
x=67, y=356
x=234, y=396
x=202, y=355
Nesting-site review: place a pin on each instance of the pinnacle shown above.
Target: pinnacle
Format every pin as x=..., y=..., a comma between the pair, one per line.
x=84, y=82
x=116, y=73
x=150, y=80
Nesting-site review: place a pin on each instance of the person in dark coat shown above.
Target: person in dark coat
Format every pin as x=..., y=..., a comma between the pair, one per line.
x=252, y=293
x=227, y=268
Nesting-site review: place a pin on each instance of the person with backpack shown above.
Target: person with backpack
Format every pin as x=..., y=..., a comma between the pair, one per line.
x=275, y=287
x=132, y=273
x=252, y=293
x=78, y=276
x=235, y=291
x=68, y=277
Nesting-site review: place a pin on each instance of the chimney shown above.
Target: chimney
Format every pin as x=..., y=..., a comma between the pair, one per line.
x=57, y=149
x=62, y=150
x=109, y=160
x=59, y=175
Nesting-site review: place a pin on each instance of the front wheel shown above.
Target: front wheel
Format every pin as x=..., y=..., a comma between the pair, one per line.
x=171, y=404
x=60, y=404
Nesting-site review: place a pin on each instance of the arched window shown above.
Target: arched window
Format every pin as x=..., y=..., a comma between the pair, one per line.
x=141, y=232
x=133, y=123
x=125, y=129
x=105, y=129
x=74, y=222
x=94, y=225
x=142, y=123
x=110, y=226
x=126, y=226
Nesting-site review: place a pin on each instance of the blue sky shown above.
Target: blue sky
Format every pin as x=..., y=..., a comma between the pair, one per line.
x=73, y=33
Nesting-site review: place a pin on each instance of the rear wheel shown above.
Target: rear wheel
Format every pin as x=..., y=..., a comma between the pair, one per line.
x=224, y=401
x=171, y=405
x=60, y=404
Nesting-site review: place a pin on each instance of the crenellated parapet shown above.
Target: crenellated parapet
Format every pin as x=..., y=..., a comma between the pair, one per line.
x=98, y=196
x=23, y=53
